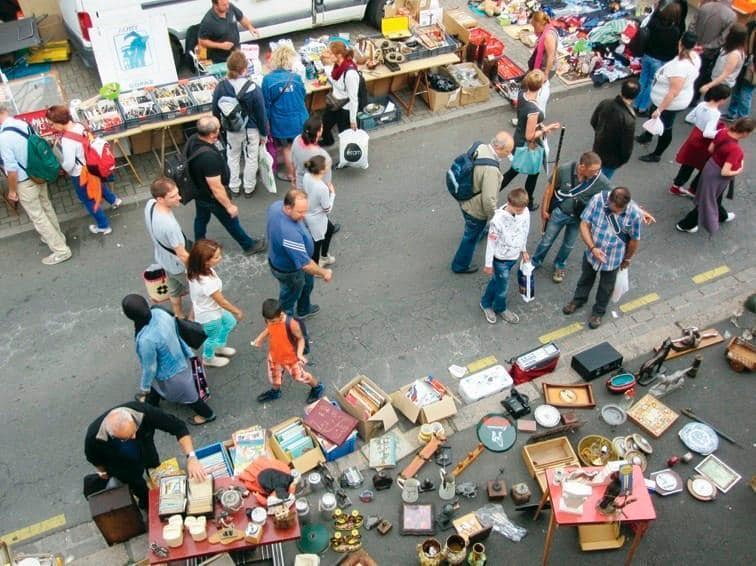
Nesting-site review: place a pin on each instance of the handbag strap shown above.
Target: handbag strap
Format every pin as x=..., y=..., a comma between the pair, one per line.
x=152, y=231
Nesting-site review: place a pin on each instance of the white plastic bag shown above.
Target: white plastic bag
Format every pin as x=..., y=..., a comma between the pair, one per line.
x=265, y=166
x=621, y=285
x=654, y=126
x=526, y=281
x=353, y=149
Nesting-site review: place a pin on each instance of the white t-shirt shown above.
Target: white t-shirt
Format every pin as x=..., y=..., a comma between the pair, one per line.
x=705, y=118
x=201, y=291
x=73, y=153
x=685, y=68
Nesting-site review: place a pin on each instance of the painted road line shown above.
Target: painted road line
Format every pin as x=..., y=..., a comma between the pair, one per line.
x=34, y=530
x=640, y=302
x=482, y=363
x=711, y=274
x=560, y=333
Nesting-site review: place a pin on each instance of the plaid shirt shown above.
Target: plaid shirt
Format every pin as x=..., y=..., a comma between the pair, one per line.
x=604, y=235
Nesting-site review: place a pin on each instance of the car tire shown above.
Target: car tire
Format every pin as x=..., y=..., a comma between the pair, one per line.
x=374, y=13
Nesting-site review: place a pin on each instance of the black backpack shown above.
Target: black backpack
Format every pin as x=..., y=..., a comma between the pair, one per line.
x=362, y=93
x=177, y=169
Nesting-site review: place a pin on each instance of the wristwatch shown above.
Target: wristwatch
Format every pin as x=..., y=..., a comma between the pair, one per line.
x=191, y=455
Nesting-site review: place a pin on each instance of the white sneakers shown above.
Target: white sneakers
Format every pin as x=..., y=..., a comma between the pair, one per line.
x=95, y=230
x=118, y=202
x=215, y=362
x=326, y=260
x=226, y=351
x=54, y=259
x=730, y=217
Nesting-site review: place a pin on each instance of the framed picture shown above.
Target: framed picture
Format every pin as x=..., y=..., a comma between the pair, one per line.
x=417, y=519
x=722, y=475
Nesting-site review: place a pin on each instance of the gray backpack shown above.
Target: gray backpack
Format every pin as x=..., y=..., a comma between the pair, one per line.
x=233, y=117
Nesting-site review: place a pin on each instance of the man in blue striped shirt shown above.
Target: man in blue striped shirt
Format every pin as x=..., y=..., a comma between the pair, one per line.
x=290, y=249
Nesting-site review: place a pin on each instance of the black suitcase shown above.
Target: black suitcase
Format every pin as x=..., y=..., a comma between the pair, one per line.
x=596, y=361
x=116, y=514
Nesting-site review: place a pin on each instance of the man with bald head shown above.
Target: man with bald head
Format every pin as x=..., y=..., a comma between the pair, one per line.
x=210, y=174
x=120, y=443
x=479, y=210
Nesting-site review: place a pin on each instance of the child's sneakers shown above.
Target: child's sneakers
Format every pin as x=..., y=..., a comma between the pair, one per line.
x=269, y=395
x=315, y=393
x=215, y=362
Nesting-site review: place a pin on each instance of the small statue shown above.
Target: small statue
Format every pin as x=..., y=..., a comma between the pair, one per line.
x=667, y=383
x=651, y=367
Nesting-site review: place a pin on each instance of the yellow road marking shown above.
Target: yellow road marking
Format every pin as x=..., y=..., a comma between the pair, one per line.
x=640, y=302
x=711, y=274
x=34, y=530
x=480, y=364
x=560, y=333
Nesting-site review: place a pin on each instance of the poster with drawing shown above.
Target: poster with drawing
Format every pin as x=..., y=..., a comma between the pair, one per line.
x=134, y=51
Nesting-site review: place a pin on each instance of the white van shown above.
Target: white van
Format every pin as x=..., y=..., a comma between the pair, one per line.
x=270, y=17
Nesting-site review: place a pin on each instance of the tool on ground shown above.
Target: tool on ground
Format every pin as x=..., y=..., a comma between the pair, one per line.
x=497, y=488
x=693, y=370
x=467, y=460
x=556, y=431
x=384, y=527
x=652, y=366
x=467, y=489
x=443, y=456
x=423, y=455
x=549, y=194
x=688, y=412
x=520, y=493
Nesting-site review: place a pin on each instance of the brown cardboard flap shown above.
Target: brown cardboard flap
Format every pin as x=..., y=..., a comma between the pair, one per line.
x=384, y=418
x=428, y=414
x=304, y=463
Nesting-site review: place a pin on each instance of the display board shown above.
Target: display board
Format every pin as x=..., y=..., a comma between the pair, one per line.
x=133, y=50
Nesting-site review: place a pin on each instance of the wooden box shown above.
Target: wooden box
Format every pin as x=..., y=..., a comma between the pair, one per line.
x=553, y=453
x=116, y=514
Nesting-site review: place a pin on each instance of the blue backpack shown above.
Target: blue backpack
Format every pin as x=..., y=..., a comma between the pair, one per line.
x=459, y=177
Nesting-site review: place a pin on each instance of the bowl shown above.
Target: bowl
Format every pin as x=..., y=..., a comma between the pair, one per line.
x=596, y=450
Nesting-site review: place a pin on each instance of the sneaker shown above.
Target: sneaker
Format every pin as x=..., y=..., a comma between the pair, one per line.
x=248, y=194
x=226, y=352
x=680, y=191
x=594, y=322
x=118, y=202
x=559, y=275
x=471, y=269
x=650, y=158
x=259, y=246
x=95, y=230
x=690, y=231
x=327, y=260
x=315, y=393
x=569, y=308
x=215, y=362
x=235, y=191
x=54, y=259
x=515, y=121
x=269, y=395
x=314, y=309
x=489, y=314
x=730, y=217
x=510, y=317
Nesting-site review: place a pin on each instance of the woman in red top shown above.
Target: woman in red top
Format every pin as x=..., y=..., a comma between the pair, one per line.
x=725, y=163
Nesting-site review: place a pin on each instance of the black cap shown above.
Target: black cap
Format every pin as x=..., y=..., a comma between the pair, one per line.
x=689, y=40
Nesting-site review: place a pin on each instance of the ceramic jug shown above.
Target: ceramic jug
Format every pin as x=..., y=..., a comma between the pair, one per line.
x=429, y=553
x=455, y=550
x=446, y=490
x=477, y=555
x=410, y=489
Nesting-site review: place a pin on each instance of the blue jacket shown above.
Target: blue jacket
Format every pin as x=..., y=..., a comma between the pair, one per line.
x=286, y=110
x=252, y=104
x=161, y=351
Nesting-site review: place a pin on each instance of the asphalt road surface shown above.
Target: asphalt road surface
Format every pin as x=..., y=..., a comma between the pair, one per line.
x=394, y=311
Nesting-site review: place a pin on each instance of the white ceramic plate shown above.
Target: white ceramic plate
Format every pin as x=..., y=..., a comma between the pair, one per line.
x=547, y=416
x=699, y=438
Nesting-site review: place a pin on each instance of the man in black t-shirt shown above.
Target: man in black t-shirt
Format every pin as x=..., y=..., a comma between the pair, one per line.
x=219, y=30
x=210, y=175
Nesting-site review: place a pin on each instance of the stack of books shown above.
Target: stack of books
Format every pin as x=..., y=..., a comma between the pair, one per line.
x=365, y=398
x=294, y=439
x=171, y=495
x=200, y=497
x=214, y=465
x=330, y=422
x=426, y=391
x=249, y=443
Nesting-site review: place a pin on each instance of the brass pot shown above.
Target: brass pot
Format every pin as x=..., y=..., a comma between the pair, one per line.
x=455, y=550
x=429, y=553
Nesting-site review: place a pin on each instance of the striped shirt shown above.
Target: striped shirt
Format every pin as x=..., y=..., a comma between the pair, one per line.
x=290, y=246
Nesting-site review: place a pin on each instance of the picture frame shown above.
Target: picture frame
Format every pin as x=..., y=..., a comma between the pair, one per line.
x=417, y=519
x=720, y=474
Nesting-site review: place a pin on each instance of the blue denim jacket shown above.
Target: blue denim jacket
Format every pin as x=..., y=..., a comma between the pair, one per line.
x=284, y=93
x=161, y=351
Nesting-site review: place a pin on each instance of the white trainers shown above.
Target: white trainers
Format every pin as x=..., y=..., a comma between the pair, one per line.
x=215, y=362
x=489, y=314
x=510, y=317
x=226, y=352
x=327, y=260
x=730, y=217
x=95, y=230
x=118, y=202
x=691, y=231
x=54, y=259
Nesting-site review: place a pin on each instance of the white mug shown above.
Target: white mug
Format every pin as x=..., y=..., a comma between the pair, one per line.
x=410, y=489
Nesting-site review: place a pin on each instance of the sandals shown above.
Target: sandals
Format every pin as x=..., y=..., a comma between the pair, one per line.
x=192, y=420
x=284, y=177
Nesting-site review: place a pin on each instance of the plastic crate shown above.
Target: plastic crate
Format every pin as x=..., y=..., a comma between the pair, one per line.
x=347, y=447
x=450, y=46
x=201, y=90
x=101, y=115
x=212, y=449
x=508, y=69
x=39, y=122
x=372, y=121
x=478, y=35
x=173, y=100
x=138, y=107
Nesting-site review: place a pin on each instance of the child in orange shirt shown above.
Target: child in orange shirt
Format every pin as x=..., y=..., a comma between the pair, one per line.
x=282, y=354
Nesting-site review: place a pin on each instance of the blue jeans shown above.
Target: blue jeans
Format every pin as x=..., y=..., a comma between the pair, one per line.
x=99, y=215
x=608, y=171
x=495, y=295
x=473, y=231
x=217, y=333
x=206, y=209
x=557, y=221
x=649, y=66
x=740, y=101
x=295, y=291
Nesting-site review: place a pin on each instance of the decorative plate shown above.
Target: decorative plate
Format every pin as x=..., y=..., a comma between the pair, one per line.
x=613, y=415
x=618, y=443
x=702, y=488
x=637, y=458
x=667, y=482
x=643, y=444
x=496, y=432
x=547, y=416
x=699, y=438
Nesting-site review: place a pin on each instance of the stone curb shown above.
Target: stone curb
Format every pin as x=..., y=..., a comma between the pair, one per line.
x=86, y=539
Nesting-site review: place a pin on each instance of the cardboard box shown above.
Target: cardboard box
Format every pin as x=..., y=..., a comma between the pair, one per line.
x=427, y=414
x=440, y=101
x=304, y=463
x=409, y=8
x=458, y=22
x=379, y=422
x=474, y=94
